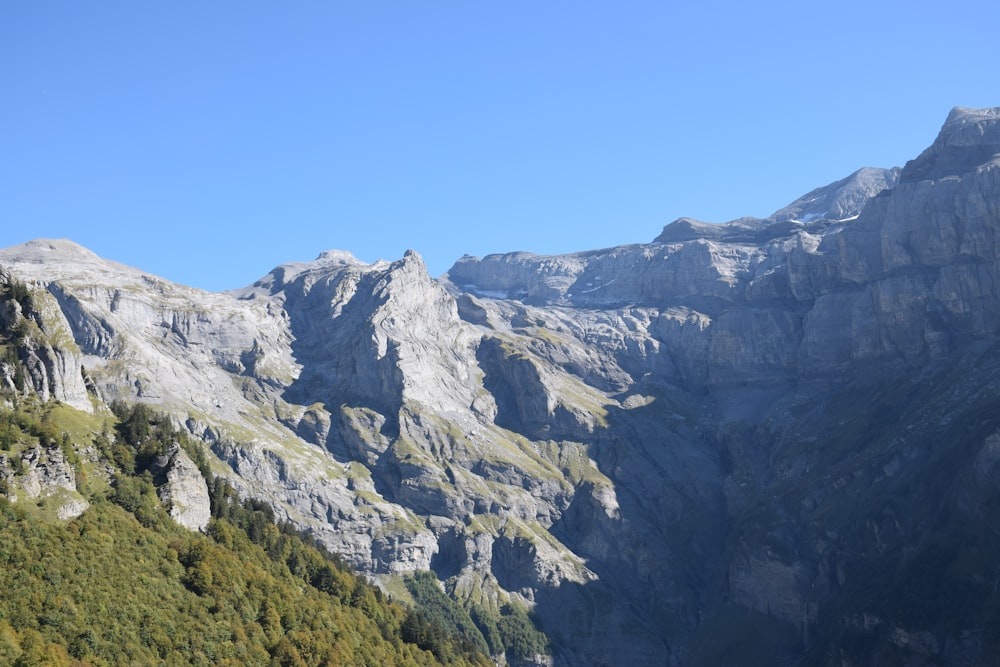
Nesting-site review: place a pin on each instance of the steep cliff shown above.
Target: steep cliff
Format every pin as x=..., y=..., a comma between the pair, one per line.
x=771, y=438
x=182, y=488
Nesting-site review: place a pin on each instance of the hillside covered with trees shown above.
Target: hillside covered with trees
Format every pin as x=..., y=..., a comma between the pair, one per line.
x=122, y=583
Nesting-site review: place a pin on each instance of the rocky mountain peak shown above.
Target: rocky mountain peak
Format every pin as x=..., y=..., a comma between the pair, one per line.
x=840, y=200
x=962, y=117
x=337, y=257
x=968, y=139
x=43, y=250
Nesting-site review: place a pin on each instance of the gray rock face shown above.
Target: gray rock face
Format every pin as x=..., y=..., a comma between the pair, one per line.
x=892, y=280
x=50, y=362
x=970, y=139
x=43, y=473
x=669, y=450
x=841, y=200
x=182, y=489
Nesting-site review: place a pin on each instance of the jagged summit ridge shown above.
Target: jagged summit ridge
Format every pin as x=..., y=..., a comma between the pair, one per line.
x=689, y=259
x=839, y=201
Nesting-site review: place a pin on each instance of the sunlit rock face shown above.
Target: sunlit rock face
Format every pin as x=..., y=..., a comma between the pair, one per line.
x=182, y=489
x=769, y=441
x=45, y=475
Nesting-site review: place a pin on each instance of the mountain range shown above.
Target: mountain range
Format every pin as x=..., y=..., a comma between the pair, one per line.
x=770, y=441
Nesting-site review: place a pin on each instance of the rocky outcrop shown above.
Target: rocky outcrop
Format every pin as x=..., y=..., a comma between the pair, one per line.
x=969, y=140
x=49, y=363
x=842, y=200
x=182, y=489
x=43, y=473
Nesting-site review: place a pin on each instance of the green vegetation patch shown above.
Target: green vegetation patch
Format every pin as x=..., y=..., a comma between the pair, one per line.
x=512, y=631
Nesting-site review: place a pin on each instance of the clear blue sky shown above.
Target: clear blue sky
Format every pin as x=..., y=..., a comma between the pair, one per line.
x=208, y=142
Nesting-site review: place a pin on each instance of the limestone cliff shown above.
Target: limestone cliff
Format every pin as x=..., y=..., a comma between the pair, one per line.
x=182, y=489
x=46, y=362
x=43, y=473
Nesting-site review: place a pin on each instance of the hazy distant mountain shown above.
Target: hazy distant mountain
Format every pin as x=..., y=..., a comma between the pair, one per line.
x=772, y=441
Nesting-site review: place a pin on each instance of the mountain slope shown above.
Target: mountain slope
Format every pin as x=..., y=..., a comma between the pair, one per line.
x=116, y=581
x=668, y=450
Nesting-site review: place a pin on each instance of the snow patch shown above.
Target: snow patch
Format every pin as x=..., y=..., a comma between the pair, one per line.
x=594, y=289
x=487, y=293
